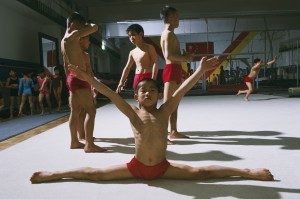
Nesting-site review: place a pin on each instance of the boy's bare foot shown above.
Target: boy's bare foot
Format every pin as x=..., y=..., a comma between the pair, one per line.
x=176, y=135
x=260, y=174
x=169, y=142
x=246, y=99
x=93, y=149
x=238, y=93
x=77, y=145
x=41, y=176
x=21, y=115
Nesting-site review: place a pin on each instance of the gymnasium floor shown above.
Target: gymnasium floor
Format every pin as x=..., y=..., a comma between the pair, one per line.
x=224, y=130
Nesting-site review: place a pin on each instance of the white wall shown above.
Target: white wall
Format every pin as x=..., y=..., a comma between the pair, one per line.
x=19, y=32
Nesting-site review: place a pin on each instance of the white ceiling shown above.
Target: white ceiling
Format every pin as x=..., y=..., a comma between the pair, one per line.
x=232, y=15
x=120, y=10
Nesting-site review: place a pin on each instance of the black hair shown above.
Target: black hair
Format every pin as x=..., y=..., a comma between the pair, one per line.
x=138, y=86
x=75, y=17
x=167, y=11
x=12, y=69
x=57, y=68
x=136, y=28
x=256, y=60
x=26, y=73
x=42, y=70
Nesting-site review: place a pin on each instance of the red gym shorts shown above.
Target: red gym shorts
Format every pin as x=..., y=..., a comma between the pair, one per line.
x=172, y=72
x=139, y=170
x=247, y=79
x=75, y=84
x=139, y=77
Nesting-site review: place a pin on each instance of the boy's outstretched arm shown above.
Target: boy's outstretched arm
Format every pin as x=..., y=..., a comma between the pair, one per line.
x=273, y=60
x=205, y=65
x=121, y=104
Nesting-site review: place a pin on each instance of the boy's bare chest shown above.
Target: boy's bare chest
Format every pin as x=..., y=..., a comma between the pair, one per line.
x=140, y=56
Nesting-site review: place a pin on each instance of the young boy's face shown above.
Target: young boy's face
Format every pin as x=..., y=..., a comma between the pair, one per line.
x=134, y=37
x=147, y=94
x=12, y=73
x=174, y=19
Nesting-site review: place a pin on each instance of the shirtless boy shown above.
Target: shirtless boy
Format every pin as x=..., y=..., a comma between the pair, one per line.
x=144, y=56
x=258, y=64
x=172, y=72
x=150, y=128
x=80, y=91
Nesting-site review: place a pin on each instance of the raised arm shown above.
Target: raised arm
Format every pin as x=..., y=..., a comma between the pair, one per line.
x=273, y=60
x=85, y=31
x=125, y=73
x=120, y=103
x=205, y=65
x=261, y=65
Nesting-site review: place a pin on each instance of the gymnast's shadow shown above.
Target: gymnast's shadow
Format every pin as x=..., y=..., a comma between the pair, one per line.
x=205, y=189
x=208, y=189
x=219, y=137
x=265, y=99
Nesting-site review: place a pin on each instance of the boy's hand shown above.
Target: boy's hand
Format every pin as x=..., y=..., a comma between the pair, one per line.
x=120, y=88
x=208, y=64
x=277, y=57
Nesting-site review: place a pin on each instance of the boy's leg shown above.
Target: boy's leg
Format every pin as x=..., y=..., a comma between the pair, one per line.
x=23, y=100
x=249, y=91
x=59, y=98
x=11, y=106
x=169, y=89
x=56, y=97
x=185, y=172
x=30, y=99
x=41, y=98
x=48, y=102
x=94, y=174
x=73, y=120
x=80, y=124
x=86, y=100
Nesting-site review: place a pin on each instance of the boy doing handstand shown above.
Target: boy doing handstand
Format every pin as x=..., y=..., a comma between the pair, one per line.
x=149, y=125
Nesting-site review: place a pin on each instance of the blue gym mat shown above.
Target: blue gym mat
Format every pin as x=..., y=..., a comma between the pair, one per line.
x=17, y=126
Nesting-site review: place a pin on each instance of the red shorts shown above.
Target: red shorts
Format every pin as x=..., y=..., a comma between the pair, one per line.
x=139, y=77
x=45, y=92
x=172, y=72
x=139, y=170
x=247, y=79
x=75, y=84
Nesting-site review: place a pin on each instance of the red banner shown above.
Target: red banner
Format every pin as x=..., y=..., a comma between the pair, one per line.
x=51, y=58
x=200, y=49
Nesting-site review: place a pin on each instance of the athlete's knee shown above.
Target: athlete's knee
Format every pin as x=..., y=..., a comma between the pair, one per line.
x=203, y=173
x=91, y=110
x=93, y=174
